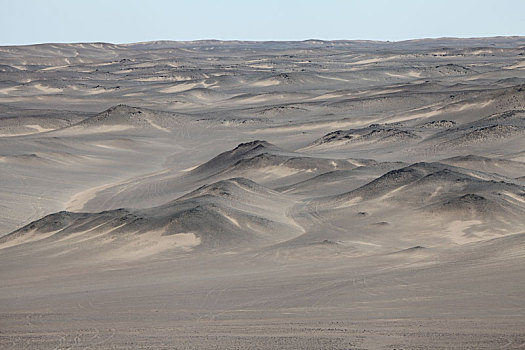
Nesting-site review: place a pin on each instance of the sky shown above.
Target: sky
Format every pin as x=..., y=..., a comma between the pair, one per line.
x=124, y=21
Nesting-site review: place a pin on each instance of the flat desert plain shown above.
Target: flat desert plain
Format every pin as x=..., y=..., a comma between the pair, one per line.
x=263, y=195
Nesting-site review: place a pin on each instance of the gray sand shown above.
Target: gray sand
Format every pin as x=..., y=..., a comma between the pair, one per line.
x=253, y=195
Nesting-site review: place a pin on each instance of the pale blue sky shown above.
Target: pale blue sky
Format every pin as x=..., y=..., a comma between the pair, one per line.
x=122, y=21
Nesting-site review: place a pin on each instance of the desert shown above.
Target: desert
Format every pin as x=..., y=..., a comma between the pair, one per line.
x=263, y=195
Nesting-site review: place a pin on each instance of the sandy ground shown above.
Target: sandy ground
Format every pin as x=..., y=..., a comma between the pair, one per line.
x=293, y=195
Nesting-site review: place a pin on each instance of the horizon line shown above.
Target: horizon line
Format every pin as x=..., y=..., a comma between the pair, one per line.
x=266, y=41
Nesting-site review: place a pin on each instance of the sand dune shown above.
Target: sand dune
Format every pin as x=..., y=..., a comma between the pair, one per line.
x=339, y=181
x=482, y=206
x=257, y=160
x=503, y=167
x=373, y=134
x=267, y=164
x=234, y=211
x=122, y=117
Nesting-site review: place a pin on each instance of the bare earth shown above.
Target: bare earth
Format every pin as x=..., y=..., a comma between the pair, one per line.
x=263, y=195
